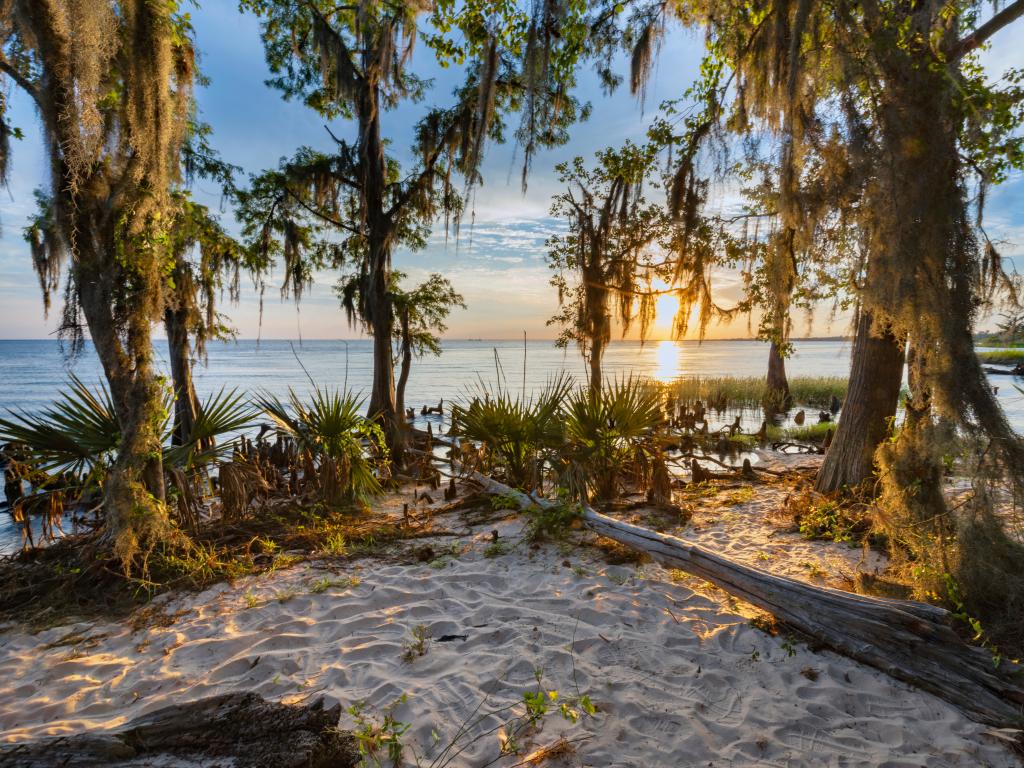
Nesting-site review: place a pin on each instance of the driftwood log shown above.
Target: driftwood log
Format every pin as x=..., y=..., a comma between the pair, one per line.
x=910, y=641
x=241, y=730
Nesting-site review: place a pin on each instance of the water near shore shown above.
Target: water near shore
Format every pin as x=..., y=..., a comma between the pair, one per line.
x=32, y=372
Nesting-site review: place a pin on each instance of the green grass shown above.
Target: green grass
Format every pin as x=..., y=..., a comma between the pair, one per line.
x=810, y=433
x=751, y=391
x=1007, y=356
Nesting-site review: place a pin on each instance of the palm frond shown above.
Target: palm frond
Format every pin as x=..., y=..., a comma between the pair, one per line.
x=331, y=425
x=78, y=433
x=516, y=429
x=225, y=413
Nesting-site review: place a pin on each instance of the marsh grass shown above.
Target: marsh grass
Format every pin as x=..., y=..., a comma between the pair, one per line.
x=732, y=392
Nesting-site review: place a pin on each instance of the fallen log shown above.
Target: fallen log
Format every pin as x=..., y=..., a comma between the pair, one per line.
x=910, y=641
x=238, y=729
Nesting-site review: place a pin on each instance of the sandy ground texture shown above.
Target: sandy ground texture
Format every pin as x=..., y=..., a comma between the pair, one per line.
x=679, y=675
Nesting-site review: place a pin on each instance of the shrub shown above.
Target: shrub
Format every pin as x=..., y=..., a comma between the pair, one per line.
x=517, y=430
x=349, y=449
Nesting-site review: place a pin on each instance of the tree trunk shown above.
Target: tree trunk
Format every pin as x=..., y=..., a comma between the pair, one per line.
x=597, y=322
x=134, y=493
x=379, y=309
x=778, y=384
x=186, y=403
x=876, y=374
x=240, y=729
x=403, y=374
x=596, y=355
x=909, y=641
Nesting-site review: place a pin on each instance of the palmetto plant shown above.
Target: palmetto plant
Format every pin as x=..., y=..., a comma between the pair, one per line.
x=78, y=435
x=608, y=434
x=348, y=447
x=516, y=430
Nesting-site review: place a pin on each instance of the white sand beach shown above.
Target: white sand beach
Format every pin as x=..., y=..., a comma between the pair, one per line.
x=677, y=672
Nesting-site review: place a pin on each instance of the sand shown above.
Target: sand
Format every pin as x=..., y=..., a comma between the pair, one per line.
x=679, y=675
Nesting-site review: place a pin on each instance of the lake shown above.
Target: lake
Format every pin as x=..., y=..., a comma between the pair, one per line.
x=31, y=372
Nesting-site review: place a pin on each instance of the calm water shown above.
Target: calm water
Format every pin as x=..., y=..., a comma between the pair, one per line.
x=31, y=372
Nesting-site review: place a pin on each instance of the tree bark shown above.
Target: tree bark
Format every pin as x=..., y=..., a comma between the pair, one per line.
x=876, y=374
x=186, y=403
x=379, y=308
x=239, y=729
x=777, y=381
x=136, y=481
x=597, y=320
x=403, y=374
x=596, y=355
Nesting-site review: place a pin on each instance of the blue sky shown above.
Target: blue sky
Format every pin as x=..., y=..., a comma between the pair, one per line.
x=498, y=263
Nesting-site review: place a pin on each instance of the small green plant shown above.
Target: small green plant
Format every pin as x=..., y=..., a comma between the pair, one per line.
x=417, y=643
x=445, y=556
x=284, y=595
x=251, y=601
x=814, y=570
x=334, y=544
x=379, y=739
x=789, y=646
x=504, y=501
x=321, y=585
x=831, y=520
x=551, y=522
x=739, y=496
x=496, y=548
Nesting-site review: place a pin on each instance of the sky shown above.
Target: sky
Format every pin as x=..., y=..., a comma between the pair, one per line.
x=498, y=261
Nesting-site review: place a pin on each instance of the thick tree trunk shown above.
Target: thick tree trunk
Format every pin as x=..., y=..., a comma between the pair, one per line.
x=876, y=374
x=778, y=384
x=239, y=729
x=186, y=403
x=134, y=494
x=910, y=641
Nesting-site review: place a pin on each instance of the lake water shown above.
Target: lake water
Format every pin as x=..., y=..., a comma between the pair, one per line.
x=31, y=372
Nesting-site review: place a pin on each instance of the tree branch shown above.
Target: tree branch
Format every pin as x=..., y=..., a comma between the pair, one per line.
x=320, y=214
x=978, y=37
x=23, y=82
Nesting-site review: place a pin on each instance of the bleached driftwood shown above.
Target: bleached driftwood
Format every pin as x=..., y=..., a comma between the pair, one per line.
x=910, y=641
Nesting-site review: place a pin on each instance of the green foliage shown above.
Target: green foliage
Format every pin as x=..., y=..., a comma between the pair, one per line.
x=330, y=425
x=79, y=433
x=606, y=432
x=554, y=521
x=518, y=431
x=374, y=739
x=752, y=392
x=833, y=520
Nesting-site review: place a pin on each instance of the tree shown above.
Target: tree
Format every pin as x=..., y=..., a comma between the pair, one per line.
x=353, y=62
x=111, y=81
x=916, y=117
x=421, y=314
x=618, y=247
x=190, y=301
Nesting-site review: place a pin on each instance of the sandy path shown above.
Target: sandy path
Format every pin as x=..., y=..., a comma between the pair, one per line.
x=679, y=676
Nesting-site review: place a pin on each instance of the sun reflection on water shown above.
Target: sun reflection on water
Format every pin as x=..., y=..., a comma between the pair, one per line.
x=667, y=366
